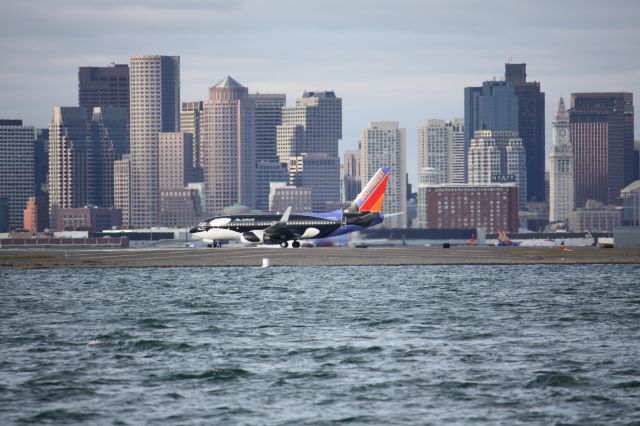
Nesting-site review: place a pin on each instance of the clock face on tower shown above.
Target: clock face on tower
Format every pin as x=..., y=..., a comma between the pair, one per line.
x=563, y=132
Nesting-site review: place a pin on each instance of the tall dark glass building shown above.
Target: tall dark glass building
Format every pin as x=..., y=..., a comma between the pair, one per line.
x=512, y=104
x=530, y=126
x=103, y=86
x=494, y=106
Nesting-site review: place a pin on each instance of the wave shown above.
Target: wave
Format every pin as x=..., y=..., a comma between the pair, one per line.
x=60, y=415
x=553, y=379
x=214, y=374
x=633, y=384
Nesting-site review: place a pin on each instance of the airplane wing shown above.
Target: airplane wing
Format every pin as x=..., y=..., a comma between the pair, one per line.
x=393, y=214
x=280, y=228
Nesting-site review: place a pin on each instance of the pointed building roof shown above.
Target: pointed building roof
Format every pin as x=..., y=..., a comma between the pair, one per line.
x=561, y=112
x=228, y=82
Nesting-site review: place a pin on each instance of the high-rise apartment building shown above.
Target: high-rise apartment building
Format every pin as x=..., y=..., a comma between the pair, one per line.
x=103, y=86
x=17, y=156
x=321, y=173
x=121, y=187
x=601, y=136
x=530, y=126
x=561, y=190
x=352, y=181
x=155, y=107
x=441, y=146
x=228, y=151
x=383, y=144
x=498, y=157
x=484, y=160
x=191, y=122
x=179, y=205
x=313, y=125
x=175, y=159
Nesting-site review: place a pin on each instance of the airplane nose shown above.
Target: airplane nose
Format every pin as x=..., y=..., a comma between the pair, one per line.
x=194, y=230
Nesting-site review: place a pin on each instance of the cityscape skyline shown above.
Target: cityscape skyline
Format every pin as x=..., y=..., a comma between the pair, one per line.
x=423, y=75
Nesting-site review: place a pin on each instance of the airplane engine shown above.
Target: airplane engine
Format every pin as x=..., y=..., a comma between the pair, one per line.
x=252, y=237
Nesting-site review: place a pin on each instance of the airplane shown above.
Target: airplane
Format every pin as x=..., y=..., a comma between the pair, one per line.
x=363, y=212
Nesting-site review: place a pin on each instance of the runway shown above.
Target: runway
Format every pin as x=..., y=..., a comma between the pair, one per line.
x=325, y=256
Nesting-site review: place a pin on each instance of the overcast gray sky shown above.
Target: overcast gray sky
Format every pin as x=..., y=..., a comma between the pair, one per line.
x=388, y=60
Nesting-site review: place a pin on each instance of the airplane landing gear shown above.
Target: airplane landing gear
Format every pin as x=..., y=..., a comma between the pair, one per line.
x=295, y=244
x=284, y=244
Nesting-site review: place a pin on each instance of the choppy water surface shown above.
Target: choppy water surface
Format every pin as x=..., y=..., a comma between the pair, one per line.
x=360, y=345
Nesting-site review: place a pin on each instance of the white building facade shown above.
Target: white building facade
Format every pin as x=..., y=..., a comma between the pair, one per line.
x=155, y=107
x=498, y=156
x=441, y=147
x=383, y=144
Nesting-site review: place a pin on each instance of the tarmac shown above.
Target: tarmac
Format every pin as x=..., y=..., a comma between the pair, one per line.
x=318, y=256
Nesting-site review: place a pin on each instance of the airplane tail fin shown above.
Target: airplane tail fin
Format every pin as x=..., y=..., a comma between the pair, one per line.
x=372, y=195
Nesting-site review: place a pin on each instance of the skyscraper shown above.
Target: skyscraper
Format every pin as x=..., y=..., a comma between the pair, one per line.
x=103, y=86
x=494, y=106
x=383, y=144
x=266, y=173
x=352, y=180
x=71, y=159
x=321, y=173
x=179, y=205
x=267, y=110
x=458, y=164
x=602, y=139
x=561, y=191
x=42, y=161
x=191, y=122
x=268, y=116
x=441, y=146
x=155, y=108
x=121, y=187
x=175, y=159
x=530, y=126
x=83, y=147
x=313, y=125
x=17, y=157
x=498, y=157
x=110, y=140
x=228, y=151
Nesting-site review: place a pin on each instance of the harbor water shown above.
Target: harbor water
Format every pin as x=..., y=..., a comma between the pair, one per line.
x=536, y=344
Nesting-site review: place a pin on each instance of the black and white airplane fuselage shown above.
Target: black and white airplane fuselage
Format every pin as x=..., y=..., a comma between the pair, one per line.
x=274, y=229
x=364, y=211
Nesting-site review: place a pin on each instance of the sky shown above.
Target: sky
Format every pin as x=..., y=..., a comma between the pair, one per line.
x=404, y=61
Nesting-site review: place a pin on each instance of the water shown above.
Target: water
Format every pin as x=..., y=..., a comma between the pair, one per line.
x=358, y=345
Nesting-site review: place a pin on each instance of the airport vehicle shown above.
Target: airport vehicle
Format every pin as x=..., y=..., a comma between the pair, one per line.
x=364, y=211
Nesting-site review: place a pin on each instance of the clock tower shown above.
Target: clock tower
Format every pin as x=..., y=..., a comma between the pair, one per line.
x=561, y=192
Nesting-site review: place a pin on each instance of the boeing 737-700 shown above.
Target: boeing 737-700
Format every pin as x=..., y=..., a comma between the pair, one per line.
x=363, y=212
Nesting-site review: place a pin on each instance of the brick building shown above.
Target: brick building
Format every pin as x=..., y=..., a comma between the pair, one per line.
x=455, y=206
